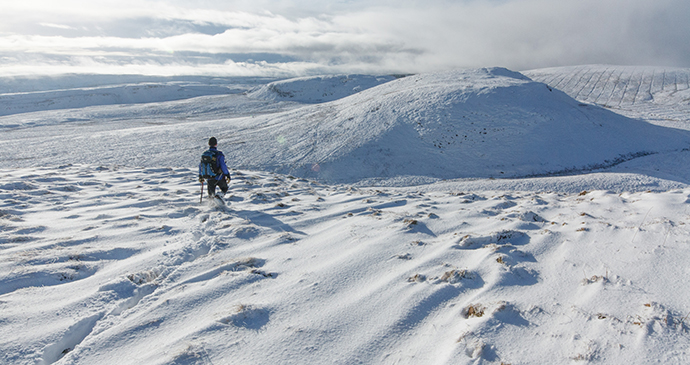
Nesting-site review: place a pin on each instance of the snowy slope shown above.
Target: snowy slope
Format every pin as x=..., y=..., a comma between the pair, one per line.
x=124, y=266
x=16, y=103
x=25, y=94
x=614, y=86
x=30, y=94
x=657, y=94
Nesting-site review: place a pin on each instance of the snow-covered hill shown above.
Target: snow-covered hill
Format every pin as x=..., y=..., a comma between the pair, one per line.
x=460, y=124
x=126, y=94
x=107, y=256
x=26, y=94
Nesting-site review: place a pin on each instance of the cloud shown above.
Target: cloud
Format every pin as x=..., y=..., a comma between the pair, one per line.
x=58, y=26
x=287, y=38
x=523, y=34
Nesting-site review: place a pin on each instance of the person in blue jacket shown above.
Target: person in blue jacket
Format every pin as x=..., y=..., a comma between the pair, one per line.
x=219, y=176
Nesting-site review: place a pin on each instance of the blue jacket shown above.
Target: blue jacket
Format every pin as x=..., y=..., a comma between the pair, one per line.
x=221, y=164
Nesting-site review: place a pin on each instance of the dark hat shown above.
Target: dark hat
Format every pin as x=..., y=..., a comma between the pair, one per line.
x=212, y=141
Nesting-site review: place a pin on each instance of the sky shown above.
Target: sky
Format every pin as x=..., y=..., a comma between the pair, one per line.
x=296, y=38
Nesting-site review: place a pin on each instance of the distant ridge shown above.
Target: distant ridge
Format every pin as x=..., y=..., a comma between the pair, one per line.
x=616, y=86
x=140, y=93
x=40, y=93
x=317, y=89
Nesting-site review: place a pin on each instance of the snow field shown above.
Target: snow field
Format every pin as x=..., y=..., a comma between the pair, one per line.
x=122, y=265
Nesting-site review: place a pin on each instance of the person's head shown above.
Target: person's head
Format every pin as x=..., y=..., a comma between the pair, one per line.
x=212, y=142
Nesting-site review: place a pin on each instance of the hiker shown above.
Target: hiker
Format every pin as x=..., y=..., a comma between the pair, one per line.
x=213, y=169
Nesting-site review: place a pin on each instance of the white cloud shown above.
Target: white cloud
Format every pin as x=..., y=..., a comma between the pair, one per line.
x=343, y=36
x=59, y=26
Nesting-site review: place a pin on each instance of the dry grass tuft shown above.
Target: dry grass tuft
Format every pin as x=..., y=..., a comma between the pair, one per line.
x=474, y=310
x=594, y=279
x=417, y=278
x=453, y=276
x=409, y=222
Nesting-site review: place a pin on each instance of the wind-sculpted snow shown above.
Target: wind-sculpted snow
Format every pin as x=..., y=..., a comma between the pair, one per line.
x=124, y=266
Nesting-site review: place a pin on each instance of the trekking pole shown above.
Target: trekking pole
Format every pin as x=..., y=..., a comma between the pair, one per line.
x=201, y=197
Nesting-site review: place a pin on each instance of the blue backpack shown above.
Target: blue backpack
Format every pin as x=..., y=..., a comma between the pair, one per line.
x=208, y=168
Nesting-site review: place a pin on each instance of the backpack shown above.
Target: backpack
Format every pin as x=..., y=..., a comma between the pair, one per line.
x=209, y=168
